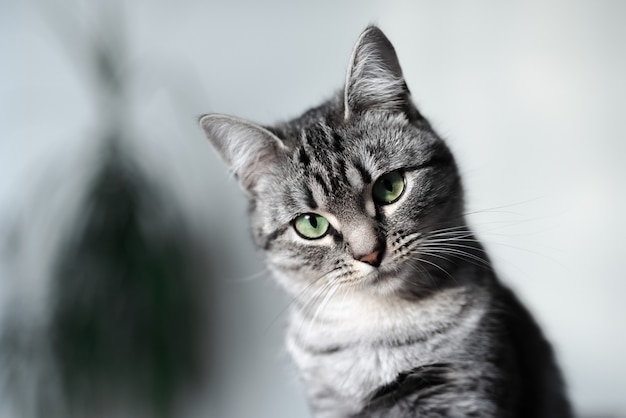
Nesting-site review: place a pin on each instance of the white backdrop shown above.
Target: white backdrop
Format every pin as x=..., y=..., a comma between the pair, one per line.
x=531, y=97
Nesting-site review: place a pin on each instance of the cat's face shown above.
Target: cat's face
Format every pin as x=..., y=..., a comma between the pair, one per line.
x=347, y=195
x=351, y=204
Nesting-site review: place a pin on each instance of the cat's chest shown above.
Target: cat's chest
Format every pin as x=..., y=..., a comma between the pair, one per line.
x=350, y=374
x=348, y=354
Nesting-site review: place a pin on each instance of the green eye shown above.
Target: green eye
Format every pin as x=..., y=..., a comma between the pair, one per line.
x=311, y=226
x=388, y=188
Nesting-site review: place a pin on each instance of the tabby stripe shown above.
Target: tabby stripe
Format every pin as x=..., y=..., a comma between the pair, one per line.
x=417, y=379
x=303, y=157
x=271, y=237
x=320, y=180
x=311, y=139
x=341, y=169
x=365, y=175
x=337, y=143
x=337, y=236
x=410, y=241
x=310, y=200
x=416, y=339
x=437, y=160
x=335, y=182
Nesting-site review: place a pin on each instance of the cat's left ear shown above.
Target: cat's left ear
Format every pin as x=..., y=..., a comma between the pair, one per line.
x=247, y=148
x=374, y=79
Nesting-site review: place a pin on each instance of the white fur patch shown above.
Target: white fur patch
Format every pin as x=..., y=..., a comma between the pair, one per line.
x=359, y=320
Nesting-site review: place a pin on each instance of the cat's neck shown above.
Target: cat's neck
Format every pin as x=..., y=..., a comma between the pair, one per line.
x=353, y=316
x=359, y=343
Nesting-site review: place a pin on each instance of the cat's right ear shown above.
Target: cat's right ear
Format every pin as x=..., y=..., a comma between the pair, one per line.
x=247, y=148
x=375, y=79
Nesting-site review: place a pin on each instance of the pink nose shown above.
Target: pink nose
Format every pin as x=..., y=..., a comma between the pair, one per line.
x=372, y=258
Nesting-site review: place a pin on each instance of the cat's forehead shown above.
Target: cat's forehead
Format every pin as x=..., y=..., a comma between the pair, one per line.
x=375, y=143
x=330, y=165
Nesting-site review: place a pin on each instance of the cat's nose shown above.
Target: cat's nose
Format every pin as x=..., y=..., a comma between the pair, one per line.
x=364, y=240
x=374, y=258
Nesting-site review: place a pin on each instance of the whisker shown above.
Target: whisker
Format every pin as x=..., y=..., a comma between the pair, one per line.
x=496, y=208
x=423, y=271
x=462, y=227
x=470, y=239
x=321, y=306
x=319, y=293
x=258, y=275
x=470, y=258
x=301, y=294
x=452, y=238
x=436, y=266
x=432, y=249
x=428, y=243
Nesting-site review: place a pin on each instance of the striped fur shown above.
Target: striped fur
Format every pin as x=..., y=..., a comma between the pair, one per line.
x=428, y=332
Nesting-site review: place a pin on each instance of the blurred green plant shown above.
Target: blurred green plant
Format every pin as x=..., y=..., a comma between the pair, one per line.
x=126, y=320
x=126, y=314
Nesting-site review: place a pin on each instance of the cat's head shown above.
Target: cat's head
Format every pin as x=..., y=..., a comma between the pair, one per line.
x=348, y=194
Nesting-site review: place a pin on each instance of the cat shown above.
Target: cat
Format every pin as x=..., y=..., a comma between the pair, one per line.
x=358, y=207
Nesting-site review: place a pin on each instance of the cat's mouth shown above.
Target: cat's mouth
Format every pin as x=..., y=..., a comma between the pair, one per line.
x=384, y=281
x=384, y=274
x=397, y=275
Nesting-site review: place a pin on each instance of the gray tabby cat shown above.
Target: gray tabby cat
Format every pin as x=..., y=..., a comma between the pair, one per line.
x=358, y=207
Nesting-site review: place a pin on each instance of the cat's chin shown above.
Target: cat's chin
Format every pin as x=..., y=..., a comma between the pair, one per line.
x=398, y=281
x=387, y=280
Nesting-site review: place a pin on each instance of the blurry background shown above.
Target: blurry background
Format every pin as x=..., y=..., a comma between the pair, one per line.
x=128, y=283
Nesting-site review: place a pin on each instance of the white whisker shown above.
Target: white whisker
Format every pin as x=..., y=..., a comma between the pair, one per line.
x=302, y=295
x=264, y=273
x=321, y=306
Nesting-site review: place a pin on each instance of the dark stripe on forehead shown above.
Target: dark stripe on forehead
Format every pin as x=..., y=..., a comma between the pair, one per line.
x=337, y=143
x=307, y=143
x=341, y=169
x=303, y=157
x=315, y=137
x=312, y=147
x=320, y=180
x=310, y=200
x=335, y=180
x=374, y=149
x=365, y=175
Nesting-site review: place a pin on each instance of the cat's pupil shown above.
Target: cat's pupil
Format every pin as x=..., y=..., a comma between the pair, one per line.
x=388, y=185
x=313, y=221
